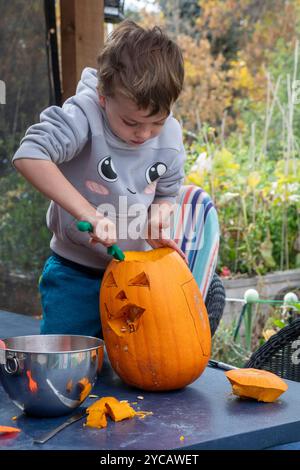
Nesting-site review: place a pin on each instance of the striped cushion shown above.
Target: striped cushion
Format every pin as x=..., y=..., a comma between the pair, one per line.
x=196, y=231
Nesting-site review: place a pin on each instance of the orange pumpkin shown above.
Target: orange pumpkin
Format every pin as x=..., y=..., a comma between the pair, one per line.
x=154, y=321
x=255, y=383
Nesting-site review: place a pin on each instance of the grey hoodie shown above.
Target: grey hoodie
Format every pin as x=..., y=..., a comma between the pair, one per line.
x=117, y=178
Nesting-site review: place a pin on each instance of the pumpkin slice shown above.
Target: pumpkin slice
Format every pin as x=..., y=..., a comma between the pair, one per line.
x=119, y=411
x=8, y=429
x=96, y=419
x=98, y=405
x=97, y=414
x=259, y=384
x=108, y=406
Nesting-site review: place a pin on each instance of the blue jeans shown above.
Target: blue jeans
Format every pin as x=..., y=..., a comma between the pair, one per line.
x=70, y=298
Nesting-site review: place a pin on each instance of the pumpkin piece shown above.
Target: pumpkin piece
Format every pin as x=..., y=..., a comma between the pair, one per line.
x=96, y=419
x=258, y=384
x=119, y=411
x=155, y=324
x=108, y=406
x=143, y=414
x=98, y=405
x=8, y=429
x=97, y=414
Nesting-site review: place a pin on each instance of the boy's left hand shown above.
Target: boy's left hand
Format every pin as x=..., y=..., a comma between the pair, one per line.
x=163, y=242
x=158, y=224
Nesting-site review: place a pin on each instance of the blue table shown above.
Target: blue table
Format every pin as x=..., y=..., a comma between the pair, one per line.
x=204, y=413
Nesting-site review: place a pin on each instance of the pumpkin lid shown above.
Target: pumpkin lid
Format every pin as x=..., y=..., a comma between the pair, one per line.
x=257, y=378
x=150, y=255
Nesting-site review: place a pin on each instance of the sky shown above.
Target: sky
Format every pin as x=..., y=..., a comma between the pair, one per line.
x=137, y=4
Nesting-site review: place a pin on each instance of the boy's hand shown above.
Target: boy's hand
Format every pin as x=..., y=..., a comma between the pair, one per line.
x=163, y=242
x=104, y=230
x=158, y=223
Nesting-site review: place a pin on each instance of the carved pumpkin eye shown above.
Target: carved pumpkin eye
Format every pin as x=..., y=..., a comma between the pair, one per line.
x=140, y=280
x=155, y=171
x=110, y=280
x=107, y=170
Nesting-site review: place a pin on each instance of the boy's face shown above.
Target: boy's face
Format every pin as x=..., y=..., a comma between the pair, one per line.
x=130, y=123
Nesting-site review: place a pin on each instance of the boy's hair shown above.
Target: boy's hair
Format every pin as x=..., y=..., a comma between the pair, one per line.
x=145, y=65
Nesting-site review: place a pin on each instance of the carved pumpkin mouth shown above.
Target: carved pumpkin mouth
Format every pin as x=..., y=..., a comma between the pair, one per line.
x=126, y=319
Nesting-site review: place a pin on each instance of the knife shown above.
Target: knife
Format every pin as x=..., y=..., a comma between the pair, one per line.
x=113, y=250
x=76, y=417
x=220, y=365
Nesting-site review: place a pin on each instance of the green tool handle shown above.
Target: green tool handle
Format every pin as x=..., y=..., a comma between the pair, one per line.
x=113, y=250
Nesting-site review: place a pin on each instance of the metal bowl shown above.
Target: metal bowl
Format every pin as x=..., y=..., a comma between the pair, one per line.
x=50, y=375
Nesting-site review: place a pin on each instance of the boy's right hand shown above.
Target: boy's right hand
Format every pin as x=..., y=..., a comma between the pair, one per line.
x=104, y=230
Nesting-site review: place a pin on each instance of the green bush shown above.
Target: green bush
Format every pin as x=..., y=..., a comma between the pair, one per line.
x=258, y=204
x=23, y=232
x=225, y=349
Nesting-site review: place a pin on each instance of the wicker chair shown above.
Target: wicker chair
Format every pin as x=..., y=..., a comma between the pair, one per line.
x=281, y=353
x=215, y=302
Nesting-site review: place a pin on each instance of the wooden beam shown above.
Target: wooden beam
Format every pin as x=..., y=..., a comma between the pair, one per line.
x=82, y=37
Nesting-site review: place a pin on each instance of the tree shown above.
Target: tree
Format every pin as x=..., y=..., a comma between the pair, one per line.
x=23, y=69
x=181, y=15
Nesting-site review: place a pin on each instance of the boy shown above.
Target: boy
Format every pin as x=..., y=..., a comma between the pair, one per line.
x=111, y=148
